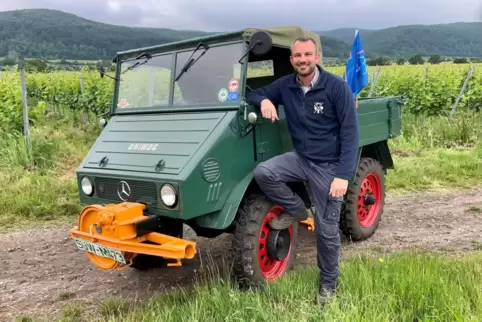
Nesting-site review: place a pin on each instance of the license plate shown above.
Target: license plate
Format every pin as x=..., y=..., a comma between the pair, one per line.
x=100, y=250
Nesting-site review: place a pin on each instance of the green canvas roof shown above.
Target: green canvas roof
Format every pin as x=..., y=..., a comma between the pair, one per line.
x=282, y=36
x=285, y=35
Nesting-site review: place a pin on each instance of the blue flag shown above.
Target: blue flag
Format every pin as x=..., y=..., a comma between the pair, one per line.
x=356, y=73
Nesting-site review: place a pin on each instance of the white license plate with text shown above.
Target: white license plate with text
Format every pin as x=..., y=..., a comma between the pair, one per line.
x=99, y=250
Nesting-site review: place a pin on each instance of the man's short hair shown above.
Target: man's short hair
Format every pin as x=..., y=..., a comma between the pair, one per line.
x=305, y=39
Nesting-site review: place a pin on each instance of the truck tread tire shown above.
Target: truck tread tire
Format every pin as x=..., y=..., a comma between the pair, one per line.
x=254, y=211
x=370, y=174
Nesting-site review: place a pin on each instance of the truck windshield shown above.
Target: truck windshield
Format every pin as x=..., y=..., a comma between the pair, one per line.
x=212, y=79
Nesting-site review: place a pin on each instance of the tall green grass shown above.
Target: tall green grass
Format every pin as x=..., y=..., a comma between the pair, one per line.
x=41, y=186
x=437, y=153
x=402, y=287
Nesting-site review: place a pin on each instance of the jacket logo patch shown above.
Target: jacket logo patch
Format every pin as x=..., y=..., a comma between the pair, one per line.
x=318, y=108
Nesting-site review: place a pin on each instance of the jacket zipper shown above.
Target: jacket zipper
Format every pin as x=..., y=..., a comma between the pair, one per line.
x=303, y=119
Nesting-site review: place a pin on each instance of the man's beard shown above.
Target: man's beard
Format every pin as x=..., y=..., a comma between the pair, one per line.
x=309, y=71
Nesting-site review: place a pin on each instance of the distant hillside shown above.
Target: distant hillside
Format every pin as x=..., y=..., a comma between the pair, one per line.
x=454, y=39
x=53, y=34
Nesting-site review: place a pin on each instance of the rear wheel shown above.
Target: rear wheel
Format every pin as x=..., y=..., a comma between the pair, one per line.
x=261, y=254
x=364, y=202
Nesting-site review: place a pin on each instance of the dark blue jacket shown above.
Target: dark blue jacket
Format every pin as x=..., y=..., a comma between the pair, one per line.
x=323, y=124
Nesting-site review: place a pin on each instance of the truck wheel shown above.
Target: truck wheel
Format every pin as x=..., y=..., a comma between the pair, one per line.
x=364, y=201
x=261, y=254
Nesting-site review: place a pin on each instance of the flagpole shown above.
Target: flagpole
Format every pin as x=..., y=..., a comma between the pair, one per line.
x=356, y=97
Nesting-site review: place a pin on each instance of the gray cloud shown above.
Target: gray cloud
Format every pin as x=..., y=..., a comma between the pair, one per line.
x=221, y=15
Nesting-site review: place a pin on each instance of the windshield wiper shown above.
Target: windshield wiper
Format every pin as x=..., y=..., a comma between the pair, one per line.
x=191, y=61
x=138, y=63
x=147, y=55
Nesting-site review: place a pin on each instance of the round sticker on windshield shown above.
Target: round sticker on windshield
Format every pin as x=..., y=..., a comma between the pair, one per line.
x=233, y=85
x=223, y=95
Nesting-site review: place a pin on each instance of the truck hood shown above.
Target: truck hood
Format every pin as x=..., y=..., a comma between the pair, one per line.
x=160, y=144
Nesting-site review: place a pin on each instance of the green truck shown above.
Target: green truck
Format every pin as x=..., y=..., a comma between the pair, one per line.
x=180, y=146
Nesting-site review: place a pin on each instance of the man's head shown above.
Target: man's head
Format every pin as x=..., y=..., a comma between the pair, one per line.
x=304, y=55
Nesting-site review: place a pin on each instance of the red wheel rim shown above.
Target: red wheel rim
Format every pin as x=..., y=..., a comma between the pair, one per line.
x=368, y=213
x=271, y=269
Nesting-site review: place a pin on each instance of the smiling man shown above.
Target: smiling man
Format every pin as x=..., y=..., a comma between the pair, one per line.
x=322, y=120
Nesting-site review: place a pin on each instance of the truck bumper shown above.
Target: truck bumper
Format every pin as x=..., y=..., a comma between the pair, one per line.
x=113, y=235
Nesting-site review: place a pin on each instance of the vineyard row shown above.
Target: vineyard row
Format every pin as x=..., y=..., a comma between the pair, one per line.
x=430, y=89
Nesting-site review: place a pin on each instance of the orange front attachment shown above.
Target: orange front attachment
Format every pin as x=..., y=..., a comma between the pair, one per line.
x=309, y=224
x=108, y=235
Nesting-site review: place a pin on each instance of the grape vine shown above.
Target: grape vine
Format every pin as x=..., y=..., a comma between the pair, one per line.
x=427, y=89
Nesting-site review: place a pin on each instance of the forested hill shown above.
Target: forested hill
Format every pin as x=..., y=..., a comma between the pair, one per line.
x=454, y=39
x=52, y=34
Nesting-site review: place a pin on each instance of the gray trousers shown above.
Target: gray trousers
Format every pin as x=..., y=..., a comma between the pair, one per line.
x=272, y=176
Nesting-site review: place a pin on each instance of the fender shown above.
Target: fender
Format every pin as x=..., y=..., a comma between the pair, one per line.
x=223, y=218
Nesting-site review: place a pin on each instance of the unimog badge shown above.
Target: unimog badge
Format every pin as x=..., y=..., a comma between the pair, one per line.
x=143, y=146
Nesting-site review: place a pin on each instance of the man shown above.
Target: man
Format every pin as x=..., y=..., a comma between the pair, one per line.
x=322, y=120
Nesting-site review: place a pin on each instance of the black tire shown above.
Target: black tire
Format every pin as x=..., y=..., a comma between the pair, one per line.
x=371, y=175
x=247, y=267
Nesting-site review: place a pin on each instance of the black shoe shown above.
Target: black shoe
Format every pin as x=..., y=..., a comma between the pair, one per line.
x=285, y=220
x=324, y=295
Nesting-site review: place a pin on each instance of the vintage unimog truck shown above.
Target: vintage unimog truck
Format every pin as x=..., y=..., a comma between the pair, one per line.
x=179, y=148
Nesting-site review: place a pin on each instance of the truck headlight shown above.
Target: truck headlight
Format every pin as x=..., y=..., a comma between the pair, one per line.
x=87, y=186
x=168, y=195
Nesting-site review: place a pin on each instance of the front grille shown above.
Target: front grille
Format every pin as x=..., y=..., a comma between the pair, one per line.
x=130, y=190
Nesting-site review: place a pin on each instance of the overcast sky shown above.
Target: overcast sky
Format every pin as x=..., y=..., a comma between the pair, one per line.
x=222, y=15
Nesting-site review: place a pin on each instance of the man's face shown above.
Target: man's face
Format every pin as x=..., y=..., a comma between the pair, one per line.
x=304, y=57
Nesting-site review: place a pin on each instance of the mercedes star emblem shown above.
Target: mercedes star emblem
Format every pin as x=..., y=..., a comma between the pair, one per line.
x=123, y=190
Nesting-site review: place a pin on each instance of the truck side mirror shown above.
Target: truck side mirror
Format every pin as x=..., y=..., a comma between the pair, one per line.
x=261, y=43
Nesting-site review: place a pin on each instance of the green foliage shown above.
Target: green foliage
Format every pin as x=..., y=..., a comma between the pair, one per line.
x=435, y=59
x=379, y=61
x=428, y=89
x=42, y=187
x=461, y=60
x=11, y=105
x=416, y=60
x=401, y=287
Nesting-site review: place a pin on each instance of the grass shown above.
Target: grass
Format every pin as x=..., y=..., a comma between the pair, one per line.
x=399, y=287
x=436, y=153
x=42, y=188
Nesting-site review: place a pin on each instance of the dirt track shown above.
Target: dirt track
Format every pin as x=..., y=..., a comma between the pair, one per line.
x=38, y=267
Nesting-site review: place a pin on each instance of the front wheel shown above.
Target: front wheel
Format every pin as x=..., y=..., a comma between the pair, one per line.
x=364, y=201
x=261, y=254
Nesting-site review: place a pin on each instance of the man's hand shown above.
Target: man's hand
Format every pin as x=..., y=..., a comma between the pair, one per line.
x=338, y=187
x=268, y=110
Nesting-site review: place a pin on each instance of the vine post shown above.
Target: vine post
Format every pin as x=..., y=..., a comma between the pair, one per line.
x=374, y=80
x=462, y=90
x=86, y=116
x=23, y=89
